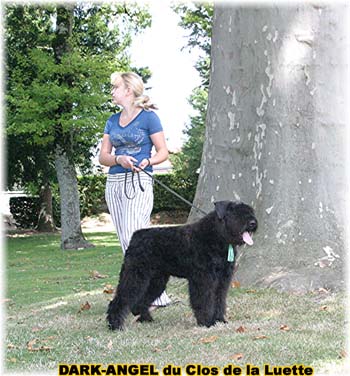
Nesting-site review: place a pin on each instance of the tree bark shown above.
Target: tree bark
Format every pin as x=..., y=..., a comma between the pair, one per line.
x=46, y=222
x=71, y=233
x=275, y=139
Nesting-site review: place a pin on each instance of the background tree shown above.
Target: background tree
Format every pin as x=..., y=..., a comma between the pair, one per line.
x=28, y=166
x=31, y=167
x=197, y=18
x=62, y=104
x=275, y=138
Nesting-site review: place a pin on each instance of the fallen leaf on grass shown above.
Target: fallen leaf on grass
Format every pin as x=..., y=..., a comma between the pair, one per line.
x=284, y=328
x=96, y=275
x=324, y=308
x=41, y=348
x=108, y=289
x=158, y=350
x=32, y=346
x=36, y=329
x=343, y=354
x=236, y=357
x=235, y=284
x=48, y=339
x=84, y=307
x=259, y=337
x=241, y=329
x=10, y=346
x=208, y=339
x=251, y=291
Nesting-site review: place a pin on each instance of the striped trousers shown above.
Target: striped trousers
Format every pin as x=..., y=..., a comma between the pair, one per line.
x=129, y=215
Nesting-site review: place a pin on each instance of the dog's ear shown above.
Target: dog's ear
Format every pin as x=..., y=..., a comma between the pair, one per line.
x=221, y=208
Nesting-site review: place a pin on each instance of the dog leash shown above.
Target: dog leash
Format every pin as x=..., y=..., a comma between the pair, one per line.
x=164, y=186
x=133, y=185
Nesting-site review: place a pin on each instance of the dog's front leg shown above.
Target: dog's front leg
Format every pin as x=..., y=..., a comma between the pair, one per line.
x=202, y=300
x=221, y=294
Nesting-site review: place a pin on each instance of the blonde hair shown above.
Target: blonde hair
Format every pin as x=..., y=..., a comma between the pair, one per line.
x=135, y=83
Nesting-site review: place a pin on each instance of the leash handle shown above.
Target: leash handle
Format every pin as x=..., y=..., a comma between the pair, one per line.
x=133, y=185
x=171, y=191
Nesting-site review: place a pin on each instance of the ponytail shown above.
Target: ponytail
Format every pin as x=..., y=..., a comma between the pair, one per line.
x=144, y=102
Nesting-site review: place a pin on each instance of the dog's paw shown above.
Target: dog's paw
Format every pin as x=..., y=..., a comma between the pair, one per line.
x=145, y=317
x=114, y=324
x=222, y=320
x=207, y=324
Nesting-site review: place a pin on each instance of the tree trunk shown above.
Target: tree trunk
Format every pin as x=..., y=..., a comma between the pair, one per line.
x=71, y=233
x=275, y=139
x=46, y=222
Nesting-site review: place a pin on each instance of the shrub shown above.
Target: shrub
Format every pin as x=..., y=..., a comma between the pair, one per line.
x=25, y=210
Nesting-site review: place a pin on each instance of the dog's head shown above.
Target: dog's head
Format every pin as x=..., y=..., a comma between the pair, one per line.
x=237, y=221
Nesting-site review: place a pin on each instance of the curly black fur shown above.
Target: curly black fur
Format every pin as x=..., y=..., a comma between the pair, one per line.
x=197, y=252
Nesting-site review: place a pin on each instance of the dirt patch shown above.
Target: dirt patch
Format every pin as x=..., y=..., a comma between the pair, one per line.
x=174, y=217
x=103, y=223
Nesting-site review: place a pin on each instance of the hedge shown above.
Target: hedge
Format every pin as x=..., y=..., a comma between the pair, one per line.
x=25, y=210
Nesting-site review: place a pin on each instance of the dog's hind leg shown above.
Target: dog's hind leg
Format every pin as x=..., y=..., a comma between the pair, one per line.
x=117, y=312
x=131, y=286
x=155, y=288
x=202, y=300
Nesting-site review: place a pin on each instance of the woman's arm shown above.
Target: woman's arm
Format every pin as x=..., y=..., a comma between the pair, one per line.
x=162, y=153
x=108, y=159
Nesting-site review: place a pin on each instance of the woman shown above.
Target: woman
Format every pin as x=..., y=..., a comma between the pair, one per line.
x=132, y=132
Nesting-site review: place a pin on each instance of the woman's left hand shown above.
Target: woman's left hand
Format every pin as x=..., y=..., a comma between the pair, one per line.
x=144, y=163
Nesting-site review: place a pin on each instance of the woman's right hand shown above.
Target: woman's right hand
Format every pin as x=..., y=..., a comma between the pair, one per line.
x=127, y=161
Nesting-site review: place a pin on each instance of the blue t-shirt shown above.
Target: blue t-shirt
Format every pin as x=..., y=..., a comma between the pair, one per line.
x=134, y=139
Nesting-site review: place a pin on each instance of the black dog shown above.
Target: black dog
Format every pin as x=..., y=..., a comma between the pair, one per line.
x=197, y=252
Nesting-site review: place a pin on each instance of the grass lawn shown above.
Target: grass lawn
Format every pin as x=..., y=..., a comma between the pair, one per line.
x=48, y=321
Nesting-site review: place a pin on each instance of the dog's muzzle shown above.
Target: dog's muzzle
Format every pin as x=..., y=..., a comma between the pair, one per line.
x=247, y=235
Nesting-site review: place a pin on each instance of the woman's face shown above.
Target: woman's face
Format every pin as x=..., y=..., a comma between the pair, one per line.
x=119, y=92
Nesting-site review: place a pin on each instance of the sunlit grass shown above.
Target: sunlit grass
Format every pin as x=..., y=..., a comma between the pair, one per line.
x=47, y=287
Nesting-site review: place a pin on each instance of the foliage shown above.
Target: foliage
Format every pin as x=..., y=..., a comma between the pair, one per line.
x=196, y=17
x=25, y=210
x=164, y=200
x=98, y=46
x=26, y=29
x=92, y=194
x=188, y=161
